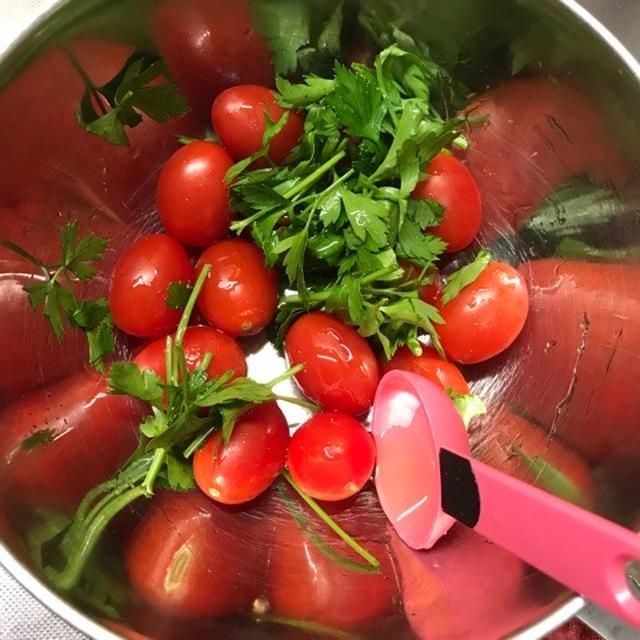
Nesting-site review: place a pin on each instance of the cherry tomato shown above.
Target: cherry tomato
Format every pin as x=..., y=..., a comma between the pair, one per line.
x=140, y=285
x=210, y=45
x=431, y=366
x=190, y=556
x=305, y=583
x=331, y=456
x=197, y=342
x=486, y=317
x=238, y=117
x=193, y=199
x=451, y=184
x=243, y=468
x=240, y=295
x=340, y=370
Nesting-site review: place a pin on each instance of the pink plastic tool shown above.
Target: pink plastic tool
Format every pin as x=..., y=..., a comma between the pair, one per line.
x=426, y=480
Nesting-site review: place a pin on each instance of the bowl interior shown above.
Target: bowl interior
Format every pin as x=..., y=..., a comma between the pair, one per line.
x=566, y=214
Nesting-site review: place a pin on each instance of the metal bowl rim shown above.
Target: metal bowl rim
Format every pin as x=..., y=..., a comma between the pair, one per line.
x=83, y=623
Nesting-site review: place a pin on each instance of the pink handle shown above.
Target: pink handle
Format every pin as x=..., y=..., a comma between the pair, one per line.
x=543, y=531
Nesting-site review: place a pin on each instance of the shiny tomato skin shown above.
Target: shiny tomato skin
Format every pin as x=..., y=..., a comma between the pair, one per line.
x=243, y=468
x=187, y=558
x=451, y=184
x=193, y=198
x=210, y=45
x=140, y=285
x=486, y=317
x=197, y=342
x=240, y=295
x=238, y=117
x=340, y=369
x=430, y=365
x=331, y=456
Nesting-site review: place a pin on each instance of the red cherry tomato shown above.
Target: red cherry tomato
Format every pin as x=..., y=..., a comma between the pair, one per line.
x=190, y=557
x=140, y=285
x=238, y=117
x=331, y=456
x=340, y=370
x=305, y=583
x=240, y=295
x=210, y=45
x=451, y=184
x=431, y=366
x=197, y=342
x=243, y=468
x=486, y=317
x=193, y=199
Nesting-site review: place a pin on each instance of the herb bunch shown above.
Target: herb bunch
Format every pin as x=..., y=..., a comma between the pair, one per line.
x=338, y=215
x=55, y=294
x=185, y=410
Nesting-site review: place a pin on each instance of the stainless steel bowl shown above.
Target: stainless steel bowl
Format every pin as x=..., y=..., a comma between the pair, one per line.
x=555, y=36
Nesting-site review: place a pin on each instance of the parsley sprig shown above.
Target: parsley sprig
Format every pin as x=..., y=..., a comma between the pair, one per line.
x=55, y=293
x=108, y=110
x=169, y=436
x=338, y=216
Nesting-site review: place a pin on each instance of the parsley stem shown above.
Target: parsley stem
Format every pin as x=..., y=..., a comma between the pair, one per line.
x=331, y=523
x=87, y=80
x=159, y=457
x=191, y=303
x=305, y=625
x=289, y=373
x=299, y=187
x=297, y=401
x=318, y=297
x=82, y=551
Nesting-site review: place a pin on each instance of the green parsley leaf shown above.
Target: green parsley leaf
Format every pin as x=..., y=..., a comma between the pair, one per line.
x=367, y=218
x=126, y=378
x=102, y=341
x=357, y=101
x=422, y=249
x=155, y=424
x=313, y=89
x=463, y=277
x=107, y=111
x=302, y=34
x=286, y=24
x=180, y=474
x=178, y=294
x=469, y=405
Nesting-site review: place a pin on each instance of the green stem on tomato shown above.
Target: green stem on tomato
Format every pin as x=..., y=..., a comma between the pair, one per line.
x=312, y=627
x=331, y=523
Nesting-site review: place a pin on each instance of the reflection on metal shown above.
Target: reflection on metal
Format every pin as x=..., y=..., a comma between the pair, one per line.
x=558, y=374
